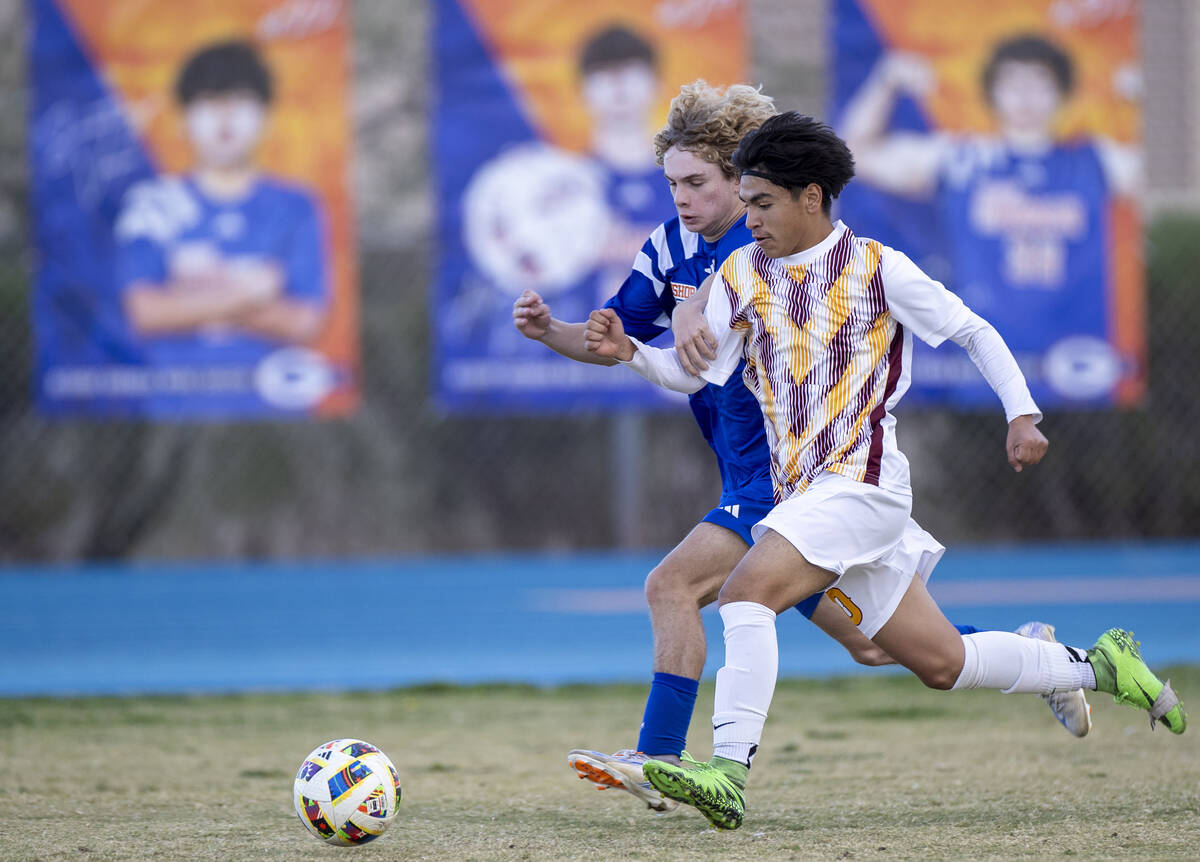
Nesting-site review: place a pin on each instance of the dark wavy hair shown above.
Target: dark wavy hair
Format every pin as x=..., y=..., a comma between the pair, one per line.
x=793, y=150
x=221, y=68
x=614, y=46
x=1029, y=48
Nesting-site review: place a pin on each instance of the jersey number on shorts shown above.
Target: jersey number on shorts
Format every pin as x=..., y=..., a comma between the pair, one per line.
x=842, y=600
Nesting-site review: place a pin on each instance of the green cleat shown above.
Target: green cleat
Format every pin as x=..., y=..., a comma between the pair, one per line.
x=1121, y=672
x=702, y=785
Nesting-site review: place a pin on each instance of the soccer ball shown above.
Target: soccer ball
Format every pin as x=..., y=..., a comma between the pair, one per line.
x=536, y=216
x=346, y=792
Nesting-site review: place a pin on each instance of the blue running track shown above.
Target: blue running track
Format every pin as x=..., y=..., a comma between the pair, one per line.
x=539, y=619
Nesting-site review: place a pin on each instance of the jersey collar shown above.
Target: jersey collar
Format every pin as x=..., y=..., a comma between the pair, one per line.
x=812, y=253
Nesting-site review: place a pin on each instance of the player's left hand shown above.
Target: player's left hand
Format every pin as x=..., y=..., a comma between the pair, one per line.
x=605, y=336
x=1026, y=445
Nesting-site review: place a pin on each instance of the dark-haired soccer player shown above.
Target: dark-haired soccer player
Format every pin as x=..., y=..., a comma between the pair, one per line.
x=695, y=147
x=225, y=263
x=1023, y=212
x=823, y=321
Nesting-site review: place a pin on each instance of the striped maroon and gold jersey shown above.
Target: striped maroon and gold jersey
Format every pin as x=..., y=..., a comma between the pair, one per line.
x=826, y=334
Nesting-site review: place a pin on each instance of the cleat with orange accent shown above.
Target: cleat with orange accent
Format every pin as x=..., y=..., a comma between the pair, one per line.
x=623, y=770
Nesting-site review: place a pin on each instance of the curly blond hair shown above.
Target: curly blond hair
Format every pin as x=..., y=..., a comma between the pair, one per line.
x=709, y=121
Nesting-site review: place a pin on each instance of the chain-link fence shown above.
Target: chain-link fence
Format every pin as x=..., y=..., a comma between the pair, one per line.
x=398, y=476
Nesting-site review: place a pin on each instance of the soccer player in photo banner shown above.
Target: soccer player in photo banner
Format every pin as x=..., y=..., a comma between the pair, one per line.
x=541, y=128
x=195, y=245
x=1006, y=160
x=820, y=322
x=225, y=249
x=695, y=148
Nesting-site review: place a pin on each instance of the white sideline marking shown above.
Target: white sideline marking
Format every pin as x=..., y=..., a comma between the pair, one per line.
x=997, y=592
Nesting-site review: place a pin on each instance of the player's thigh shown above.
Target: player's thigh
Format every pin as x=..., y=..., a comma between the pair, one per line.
x=696, y=567
x=775, y=574
x=919, y=636
x=833, y=619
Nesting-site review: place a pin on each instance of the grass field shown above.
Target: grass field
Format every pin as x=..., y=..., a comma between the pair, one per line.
x=871, y=767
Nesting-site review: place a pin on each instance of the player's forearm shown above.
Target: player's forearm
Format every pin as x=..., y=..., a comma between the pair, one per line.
x=997, y=365
x=284, y=320
x=568, y=340
x=181, y=306
x=662, y=368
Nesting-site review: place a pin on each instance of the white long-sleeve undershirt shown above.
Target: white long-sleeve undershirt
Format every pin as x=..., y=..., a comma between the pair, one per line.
x=924, y=307
x=661, y=366
x=997, y=365
x=975, y=335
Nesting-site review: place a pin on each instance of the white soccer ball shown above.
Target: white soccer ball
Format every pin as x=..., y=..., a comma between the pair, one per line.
x=535, y=216
x=346, y=792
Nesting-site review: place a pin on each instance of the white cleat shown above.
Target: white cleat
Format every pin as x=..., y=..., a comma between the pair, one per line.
x=622, y=770
x=1070, y=707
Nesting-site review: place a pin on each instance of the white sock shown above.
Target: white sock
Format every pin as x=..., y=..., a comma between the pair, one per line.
x=747, y=681
x=1013, y=663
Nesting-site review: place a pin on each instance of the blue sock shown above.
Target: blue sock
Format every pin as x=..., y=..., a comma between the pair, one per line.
x=966, y=630
x=668, y=714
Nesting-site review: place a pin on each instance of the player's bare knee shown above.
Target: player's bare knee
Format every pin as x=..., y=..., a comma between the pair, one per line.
x=731, y=592
x=939, y=672
x=667, y=584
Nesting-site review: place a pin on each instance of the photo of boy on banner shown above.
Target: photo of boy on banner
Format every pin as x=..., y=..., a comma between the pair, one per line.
x=225, y=263
x=1023, y=214
x=547, y=180
x=196, y=255
x=569, y=224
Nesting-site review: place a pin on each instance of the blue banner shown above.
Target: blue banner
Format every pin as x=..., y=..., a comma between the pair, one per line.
x=1001, y=152
x=175, y=277
x=532, y=193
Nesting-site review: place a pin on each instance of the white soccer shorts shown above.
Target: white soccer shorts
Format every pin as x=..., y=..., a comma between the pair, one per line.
x=862, y=534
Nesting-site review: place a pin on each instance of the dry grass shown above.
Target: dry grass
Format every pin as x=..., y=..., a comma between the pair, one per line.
x=873, y=767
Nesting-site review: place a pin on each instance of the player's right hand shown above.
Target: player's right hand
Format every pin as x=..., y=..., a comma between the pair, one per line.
x=694, y=343
x=1026, y=445
x=531, y=316
x=605, y=336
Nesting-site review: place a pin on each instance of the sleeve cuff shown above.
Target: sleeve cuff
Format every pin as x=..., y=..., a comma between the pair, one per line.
x=639, y=362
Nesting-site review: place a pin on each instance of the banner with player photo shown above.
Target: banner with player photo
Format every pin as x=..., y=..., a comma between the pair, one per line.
x=1001, y=150
x=193, y=223
x=543, y=124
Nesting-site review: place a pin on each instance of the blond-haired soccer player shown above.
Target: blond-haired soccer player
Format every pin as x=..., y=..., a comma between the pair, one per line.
x=821, y=323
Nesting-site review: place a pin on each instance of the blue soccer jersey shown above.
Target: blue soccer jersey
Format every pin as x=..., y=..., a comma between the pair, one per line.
x=170, y=224
x=170, y=229
x=1027, y=237
x=672, y=264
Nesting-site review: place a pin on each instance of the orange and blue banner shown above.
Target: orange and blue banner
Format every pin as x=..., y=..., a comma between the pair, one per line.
x=193, y=221
x=999, y=146
x=543, y=120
